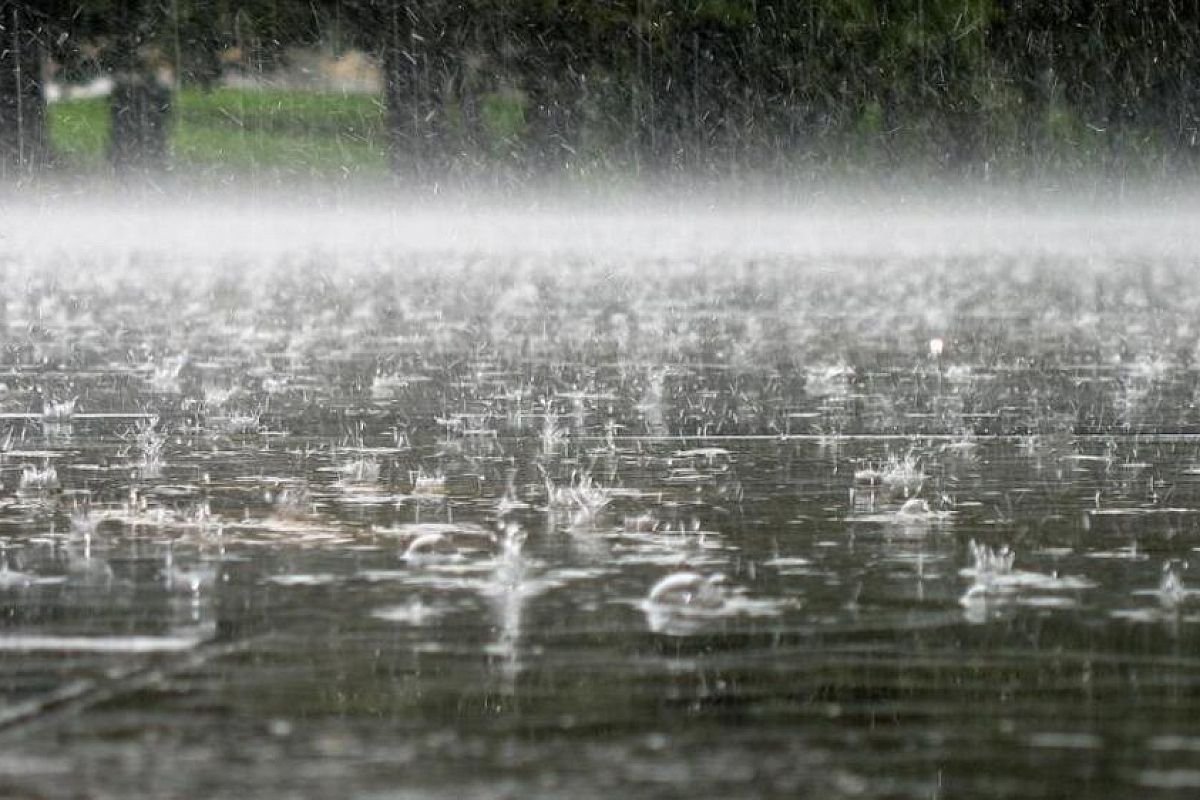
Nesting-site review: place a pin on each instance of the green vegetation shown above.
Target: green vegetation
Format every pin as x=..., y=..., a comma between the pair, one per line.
x=284, y=111
x=303, y=133
x=79, y=132
x=536, y=87
x=243, y=130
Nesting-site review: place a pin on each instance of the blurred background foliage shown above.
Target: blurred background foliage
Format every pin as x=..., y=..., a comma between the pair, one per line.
x=431, y=89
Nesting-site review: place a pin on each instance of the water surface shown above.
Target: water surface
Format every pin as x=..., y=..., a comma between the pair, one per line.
x=367, y=504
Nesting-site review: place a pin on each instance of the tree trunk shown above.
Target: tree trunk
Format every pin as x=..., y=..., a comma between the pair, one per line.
x=140, y=110
x=139, y=106
x=419, y=75
x=402, y=85
x=22, y=101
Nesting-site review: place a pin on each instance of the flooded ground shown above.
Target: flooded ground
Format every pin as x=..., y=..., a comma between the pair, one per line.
x=383, y=505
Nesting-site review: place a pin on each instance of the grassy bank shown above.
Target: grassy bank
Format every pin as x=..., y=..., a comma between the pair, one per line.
x=266, y=134
x=300, y=133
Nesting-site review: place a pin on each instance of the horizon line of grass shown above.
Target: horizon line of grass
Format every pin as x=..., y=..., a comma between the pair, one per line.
x=312, y=133
x=302, y=132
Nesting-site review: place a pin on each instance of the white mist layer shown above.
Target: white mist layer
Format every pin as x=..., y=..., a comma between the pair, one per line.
x=173, y=233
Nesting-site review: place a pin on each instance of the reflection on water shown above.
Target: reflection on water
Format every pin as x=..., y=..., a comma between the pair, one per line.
x=462, y=523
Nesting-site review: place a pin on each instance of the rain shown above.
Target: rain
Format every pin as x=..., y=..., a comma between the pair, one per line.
x=561, y=399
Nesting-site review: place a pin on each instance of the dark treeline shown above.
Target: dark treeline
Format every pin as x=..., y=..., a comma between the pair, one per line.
x=965, y=86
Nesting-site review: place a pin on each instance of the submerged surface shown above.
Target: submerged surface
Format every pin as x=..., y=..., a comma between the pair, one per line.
x=435, y=506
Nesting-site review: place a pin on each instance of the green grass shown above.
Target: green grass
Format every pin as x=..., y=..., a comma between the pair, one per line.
x=310, y=113
x=79, y=131
x=244, y=130
x=277, y=133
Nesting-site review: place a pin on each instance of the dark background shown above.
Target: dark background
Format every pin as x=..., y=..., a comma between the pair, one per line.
x=542, y=87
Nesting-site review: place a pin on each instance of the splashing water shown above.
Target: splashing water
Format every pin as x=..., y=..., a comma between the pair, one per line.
x=34, y=478
x=60, y=411
x=903, y=474
x=690, y=591
x=377, y=614
x=990, y=562
x=1171, y=589
x=359, y=471
x=150, y=442
x=511, y=564
x=553, y=436
x=432, y=548
x=582, y=495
